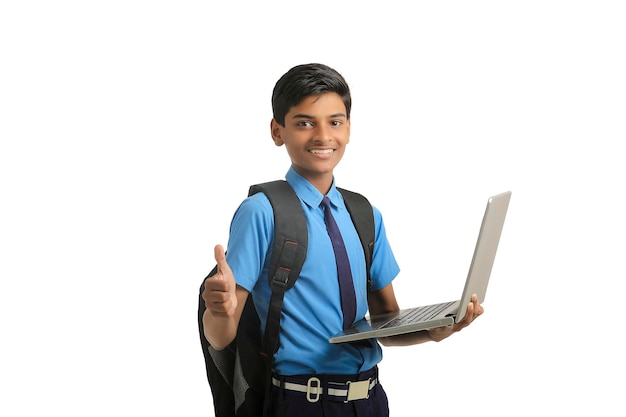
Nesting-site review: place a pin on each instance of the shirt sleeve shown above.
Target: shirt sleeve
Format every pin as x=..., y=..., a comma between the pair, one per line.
x=251, y=233
x=384, y=266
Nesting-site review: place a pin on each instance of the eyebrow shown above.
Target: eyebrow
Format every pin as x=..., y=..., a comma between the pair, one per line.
x=307, y=116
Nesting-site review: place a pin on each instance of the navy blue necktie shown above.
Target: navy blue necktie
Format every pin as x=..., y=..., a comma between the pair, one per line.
x=346, y=285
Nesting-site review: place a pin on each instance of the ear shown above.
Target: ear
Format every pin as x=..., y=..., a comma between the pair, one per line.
x=348, y=127
x=276, y=130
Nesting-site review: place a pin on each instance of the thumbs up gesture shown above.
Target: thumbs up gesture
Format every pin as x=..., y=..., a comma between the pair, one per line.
x=219, y=293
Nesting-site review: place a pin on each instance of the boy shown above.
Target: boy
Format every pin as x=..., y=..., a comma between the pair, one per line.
x=311, y=118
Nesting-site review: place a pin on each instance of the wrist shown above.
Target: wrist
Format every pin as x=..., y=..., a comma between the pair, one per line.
x=429, y=337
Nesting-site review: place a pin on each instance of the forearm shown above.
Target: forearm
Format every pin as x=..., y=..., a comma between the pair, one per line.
x=407, y=339
x=219, y=331
x=220, y=323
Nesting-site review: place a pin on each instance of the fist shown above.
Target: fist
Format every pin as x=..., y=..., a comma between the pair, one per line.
x=219, y=293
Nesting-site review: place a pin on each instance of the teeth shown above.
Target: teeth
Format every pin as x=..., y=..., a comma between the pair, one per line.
x=321, y=151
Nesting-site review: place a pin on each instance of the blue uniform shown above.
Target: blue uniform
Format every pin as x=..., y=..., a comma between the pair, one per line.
x=312, y=308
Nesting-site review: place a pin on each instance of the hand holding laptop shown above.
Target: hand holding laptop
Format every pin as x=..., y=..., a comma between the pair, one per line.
x=474, y=309
x=436, y=334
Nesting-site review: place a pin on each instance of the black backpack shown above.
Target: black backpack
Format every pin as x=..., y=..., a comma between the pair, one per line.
x=239, y=375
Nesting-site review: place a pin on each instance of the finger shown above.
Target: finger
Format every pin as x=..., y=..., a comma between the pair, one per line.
x=220, y=259
x=213, y=285
x=219, y=254
x=477, y=309
x=217, y=285
x=217, y=297
x=218, y=308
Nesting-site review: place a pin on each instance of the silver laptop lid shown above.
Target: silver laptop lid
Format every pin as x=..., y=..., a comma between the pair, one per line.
x=485, y=251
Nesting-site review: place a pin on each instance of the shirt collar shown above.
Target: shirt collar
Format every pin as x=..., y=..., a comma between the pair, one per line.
x=309, y=194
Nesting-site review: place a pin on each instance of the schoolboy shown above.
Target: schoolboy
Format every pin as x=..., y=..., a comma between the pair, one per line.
x=311, y=118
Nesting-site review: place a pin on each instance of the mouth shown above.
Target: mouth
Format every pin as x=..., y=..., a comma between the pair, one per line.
x=321, y=151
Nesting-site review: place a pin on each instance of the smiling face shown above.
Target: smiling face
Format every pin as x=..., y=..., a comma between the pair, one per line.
x=315, y=133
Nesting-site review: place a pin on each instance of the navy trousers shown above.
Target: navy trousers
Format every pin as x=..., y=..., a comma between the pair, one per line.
x=286, y=403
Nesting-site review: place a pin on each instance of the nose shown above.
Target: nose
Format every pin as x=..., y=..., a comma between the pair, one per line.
x=323, y=132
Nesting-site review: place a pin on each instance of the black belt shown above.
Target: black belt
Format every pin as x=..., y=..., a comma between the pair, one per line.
x=338, y=388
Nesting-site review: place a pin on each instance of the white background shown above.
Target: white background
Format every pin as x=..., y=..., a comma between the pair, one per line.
x=131, y=130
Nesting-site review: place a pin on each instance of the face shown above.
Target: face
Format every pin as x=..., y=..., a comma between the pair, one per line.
x=315, y=134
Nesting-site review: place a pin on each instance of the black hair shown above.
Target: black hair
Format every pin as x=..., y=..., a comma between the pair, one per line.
x=307, y=80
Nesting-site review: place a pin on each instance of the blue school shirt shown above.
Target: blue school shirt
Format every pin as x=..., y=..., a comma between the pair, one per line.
x=312, y=307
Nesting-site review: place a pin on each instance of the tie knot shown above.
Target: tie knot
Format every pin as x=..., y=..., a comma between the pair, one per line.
x=326, y=202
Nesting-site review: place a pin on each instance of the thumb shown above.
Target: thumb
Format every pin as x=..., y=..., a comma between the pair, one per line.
x=220, y=259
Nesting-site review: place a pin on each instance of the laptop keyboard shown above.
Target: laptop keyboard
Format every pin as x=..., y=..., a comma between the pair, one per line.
x=418, y=314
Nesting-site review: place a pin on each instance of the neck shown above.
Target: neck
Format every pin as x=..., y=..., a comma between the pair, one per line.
x=321, y=181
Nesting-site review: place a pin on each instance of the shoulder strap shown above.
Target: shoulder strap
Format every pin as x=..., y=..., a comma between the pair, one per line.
x=362, y=216
x=290, y=232
x=288, y=252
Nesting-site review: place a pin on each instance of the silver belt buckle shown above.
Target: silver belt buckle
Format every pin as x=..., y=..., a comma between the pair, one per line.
x=358, y=390
x=310, y=388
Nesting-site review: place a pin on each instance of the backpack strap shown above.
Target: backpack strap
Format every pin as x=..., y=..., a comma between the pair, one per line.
x=362, y=216
x=288, y=252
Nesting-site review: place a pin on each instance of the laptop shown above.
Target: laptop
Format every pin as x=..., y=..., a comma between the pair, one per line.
x=441, y=314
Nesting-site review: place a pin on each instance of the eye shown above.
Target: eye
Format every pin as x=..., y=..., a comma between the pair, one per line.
x=336, y=123
x=305, y=123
